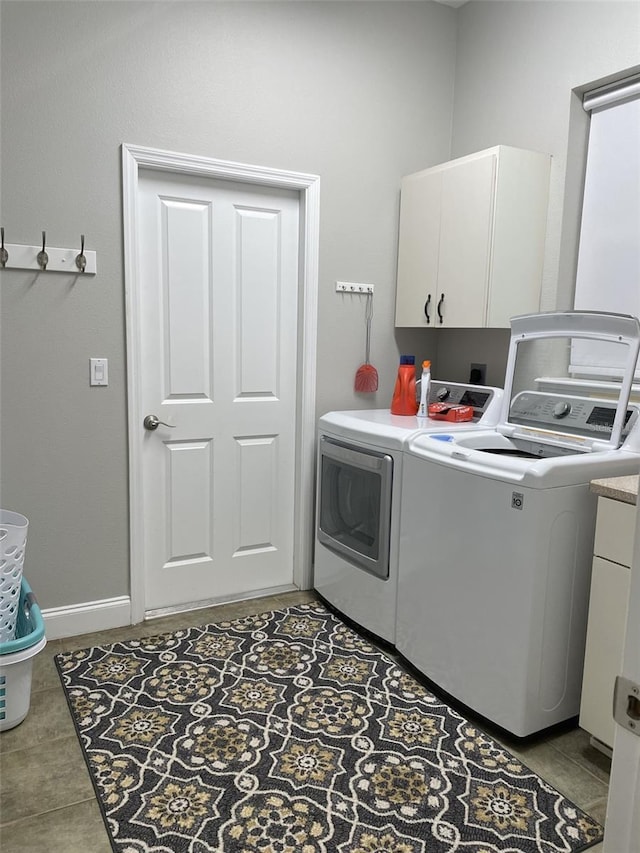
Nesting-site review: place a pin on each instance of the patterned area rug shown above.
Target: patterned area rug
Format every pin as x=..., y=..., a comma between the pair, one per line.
x=286, y=732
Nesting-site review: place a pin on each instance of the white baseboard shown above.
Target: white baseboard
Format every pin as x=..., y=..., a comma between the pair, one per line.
x=87, y=617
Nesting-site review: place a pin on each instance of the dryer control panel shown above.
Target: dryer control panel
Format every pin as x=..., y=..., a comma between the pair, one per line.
x=584, y=416
x=455, y=394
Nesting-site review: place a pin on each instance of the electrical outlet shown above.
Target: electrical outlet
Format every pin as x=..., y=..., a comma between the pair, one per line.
x=477, y=373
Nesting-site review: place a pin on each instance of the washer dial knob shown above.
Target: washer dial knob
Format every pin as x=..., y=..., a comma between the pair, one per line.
x=562, y=409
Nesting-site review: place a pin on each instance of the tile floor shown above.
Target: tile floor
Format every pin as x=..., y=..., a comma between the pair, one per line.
x=47, y=804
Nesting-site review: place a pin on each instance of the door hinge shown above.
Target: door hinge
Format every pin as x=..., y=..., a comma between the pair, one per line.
x=626, y=704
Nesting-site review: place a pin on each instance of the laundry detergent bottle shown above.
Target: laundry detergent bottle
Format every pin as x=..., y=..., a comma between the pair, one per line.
x=404, y=400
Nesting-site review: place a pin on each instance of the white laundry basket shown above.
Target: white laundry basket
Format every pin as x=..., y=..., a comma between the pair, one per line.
x=13, y=541
x=16, y=660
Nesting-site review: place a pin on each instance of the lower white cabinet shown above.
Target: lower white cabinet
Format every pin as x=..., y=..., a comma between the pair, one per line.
x=613, y=548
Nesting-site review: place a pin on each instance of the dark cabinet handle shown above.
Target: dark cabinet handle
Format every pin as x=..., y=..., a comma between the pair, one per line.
x=439, y=308
x=426, y=308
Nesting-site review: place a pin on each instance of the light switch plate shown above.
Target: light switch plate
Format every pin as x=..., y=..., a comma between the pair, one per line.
x=98, y=371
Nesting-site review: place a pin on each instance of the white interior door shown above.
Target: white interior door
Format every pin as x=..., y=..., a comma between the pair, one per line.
x=218, y=279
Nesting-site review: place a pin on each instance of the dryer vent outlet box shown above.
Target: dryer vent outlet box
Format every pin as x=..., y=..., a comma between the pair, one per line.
x=477, y=373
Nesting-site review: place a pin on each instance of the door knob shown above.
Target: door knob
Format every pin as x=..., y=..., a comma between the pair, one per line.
x=152, y=422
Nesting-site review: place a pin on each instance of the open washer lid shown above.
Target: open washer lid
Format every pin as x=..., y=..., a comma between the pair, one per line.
x=542, y=343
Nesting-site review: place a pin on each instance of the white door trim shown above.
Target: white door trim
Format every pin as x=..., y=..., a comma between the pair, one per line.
x=135, y=157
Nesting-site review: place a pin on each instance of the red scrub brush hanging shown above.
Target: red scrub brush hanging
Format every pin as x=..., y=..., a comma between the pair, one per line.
x=366, y=375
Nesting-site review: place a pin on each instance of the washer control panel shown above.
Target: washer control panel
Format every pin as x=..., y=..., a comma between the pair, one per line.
x=578, y=415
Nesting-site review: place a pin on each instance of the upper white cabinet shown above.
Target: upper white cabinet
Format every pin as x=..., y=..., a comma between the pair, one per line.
x=471, y=243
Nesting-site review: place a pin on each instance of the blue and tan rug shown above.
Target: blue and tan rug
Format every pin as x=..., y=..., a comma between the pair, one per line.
x=287, y=732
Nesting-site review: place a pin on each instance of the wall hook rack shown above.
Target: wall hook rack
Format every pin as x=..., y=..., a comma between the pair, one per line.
x=15, y=256
x=353, y=287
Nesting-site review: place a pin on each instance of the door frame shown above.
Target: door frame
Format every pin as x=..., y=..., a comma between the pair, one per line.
x=134, y=158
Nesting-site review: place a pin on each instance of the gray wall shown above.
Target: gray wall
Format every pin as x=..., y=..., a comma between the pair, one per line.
x=517, y=66
x=359, y=93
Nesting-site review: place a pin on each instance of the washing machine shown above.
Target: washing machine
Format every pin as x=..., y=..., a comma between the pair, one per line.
x=359, y=478
x=497, y=531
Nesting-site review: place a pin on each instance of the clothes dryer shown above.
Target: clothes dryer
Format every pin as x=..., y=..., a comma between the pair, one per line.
x=497, y=532
x=360, y=461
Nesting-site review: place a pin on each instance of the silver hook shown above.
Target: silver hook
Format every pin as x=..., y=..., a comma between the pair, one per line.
x=81, y=261
x=43, y=258
x=4, y=255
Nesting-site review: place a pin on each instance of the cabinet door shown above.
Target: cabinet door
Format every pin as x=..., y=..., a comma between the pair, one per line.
x=418, y=249
x=605, y=641
x=615, y=531
x=465, y=239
